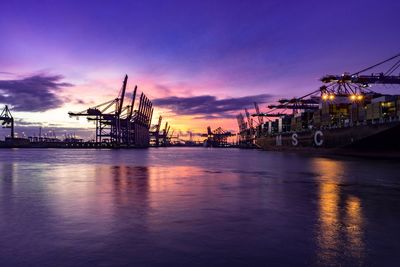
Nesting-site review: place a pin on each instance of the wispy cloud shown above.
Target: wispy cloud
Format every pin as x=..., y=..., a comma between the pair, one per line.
x=207, y=106
x=6, y=73
x=33, y=93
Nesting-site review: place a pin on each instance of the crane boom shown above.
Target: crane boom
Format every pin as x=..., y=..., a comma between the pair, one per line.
x=121, y=99
x=380, y=78
x=260, y=118
x=133, y=102
x=270, y=115
x=250, y=122
x=279, y=106
x=159, y=124
x=358, y=78
x=165, y=128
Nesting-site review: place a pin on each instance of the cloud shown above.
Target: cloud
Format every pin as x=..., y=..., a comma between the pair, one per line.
x=6, y=73
x=24, y=123
x=82, y=102
x=209, y=107
x=187, y=133
x=33, y=93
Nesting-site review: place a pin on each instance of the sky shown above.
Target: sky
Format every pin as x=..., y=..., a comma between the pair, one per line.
x=200, y=62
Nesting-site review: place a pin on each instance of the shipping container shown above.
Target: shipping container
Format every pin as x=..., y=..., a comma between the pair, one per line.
x=317, y=118
x=369, y=112
x=354, y=114
x=293, y=124
x=361, y=113
x=376, y=110
x=385, y=98
x=326, y=120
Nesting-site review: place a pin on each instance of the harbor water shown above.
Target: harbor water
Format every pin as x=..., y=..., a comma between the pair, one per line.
x=196, y=207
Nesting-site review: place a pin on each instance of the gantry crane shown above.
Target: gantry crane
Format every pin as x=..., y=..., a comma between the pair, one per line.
x=358, y=83
x=355, y=86
x=217, y=137
x=7, y=120
x=249, y=121
x=161, y=135
x=155, y=132
x=118, y=124
x=165, y=133
x=241, y=123
x=260, y=118
x=295, y=104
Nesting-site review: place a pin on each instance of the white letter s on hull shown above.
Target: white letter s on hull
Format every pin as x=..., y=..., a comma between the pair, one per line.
x=295, y=141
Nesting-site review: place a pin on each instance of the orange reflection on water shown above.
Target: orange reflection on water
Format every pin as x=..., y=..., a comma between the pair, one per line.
x=71, y=190
x=96, y=195
x=329, y=225
x=125, y=182
x=99, y=194
x=354, y=227
x=169, y=183
x=340, y=229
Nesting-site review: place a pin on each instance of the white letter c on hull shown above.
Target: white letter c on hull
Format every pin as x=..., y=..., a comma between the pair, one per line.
x=318, y=138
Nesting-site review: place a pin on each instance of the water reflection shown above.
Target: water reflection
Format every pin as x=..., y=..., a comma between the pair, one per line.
x=354, y=227
x=169, y=183
x=340, y=230
x=8, y=176
x=178, y=207
x=98, y=197
x=127, y=183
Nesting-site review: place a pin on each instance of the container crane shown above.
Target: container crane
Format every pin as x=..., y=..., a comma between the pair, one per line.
x=156, y=132
x=7, y=120
x=118, y=124
x=296, y=104
x=260, y=118
x=357, y=84
x=249, y=119
x=217, y=137
x=241, y=122
x=106, y=116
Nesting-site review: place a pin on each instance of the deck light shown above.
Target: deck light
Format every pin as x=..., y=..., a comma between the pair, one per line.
x=353, y=97
x=331, y=97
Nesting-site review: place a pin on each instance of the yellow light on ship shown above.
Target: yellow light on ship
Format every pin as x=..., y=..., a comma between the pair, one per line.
x=324, y=97
x=360, y=97
x=331, y=97
x=353, y=97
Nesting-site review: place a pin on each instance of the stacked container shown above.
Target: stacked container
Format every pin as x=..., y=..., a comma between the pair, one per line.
x=376, y=110
x=398, y=106
x=317, y=118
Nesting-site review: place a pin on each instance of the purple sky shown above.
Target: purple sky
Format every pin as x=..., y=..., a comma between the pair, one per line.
x=184, y=52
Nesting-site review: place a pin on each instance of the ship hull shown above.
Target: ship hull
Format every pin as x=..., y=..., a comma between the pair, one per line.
x=364, y=139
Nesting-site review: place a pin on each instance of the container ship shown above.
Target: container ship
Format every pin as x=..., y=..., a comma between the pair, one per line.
x=344, y=115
